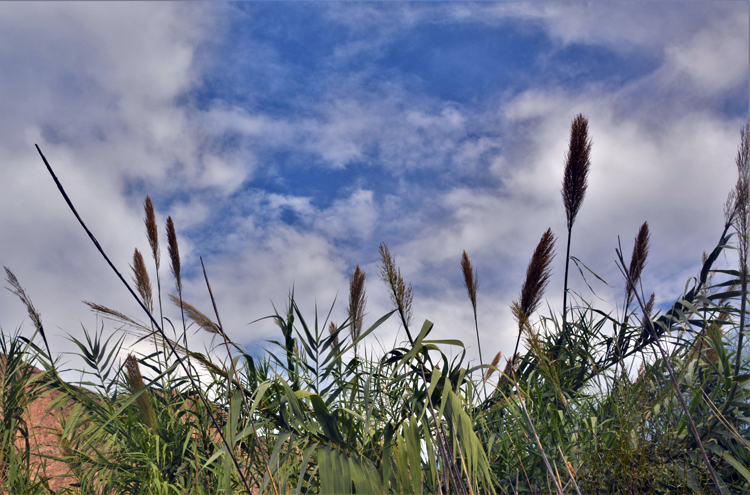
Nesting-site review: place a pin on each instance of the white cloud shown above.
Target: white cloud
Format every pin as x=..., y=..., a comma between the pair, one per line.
x=716, y=57
x=352, y=218
x=101, y=99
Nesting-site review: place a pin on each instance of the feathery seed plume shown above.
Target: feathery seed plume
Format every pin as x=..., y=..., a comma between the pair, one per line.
x=471, y=281
x=575, y=182
x=650, y=306
x=538, y=274
x=357, y=301
x=142, y=280
x=401, y=295
x=737, y=210
x=174, y=253
x=36, y=318
x=740, y=219
x=194, y=314
x=577, y=164
x=638, y=260
x=332, y=329
x=21, y=294
x=115, y=315
x=493, y=366
x=152, y=232
x=136, y=383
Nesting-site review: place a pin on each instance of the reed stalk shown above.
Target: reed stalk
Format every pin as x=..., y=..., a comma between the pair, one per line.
x=357, y=303
x=36, y=318
x=152, y=233
x=471, y=284
x=741, y=222
x=538, y=274
x=401, y=296
x=575, y=182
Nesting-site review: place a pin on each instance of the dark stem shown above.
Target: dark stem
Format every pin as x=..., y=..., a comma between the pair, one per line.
x=151, y=317
x=479, y=345
x=518, y=341
x=565, y=284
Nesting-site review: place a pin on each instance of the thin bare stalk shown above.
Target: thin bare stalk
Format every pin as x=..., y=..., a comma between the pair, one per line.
x=185, y=369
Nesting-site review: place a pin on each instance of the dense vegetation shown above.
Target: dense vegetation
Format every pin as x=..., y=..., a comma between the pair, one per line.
x=590, y=403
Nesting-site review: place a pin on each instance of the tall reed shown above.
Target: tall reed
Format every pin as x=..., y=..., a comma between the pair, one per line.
x=575, y=183
x=471, y=284
x=357, y=303
x=538, y=274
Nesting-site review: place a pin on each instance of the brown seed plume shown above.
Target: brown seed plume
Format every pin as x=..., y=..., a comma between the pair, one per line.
x=471, y=281
x=136, y=383
x=152, y=232
x=332, y=329
x=357, y=302
x=538, y=274
x=637, y=260
x=174, y=253
x=36, y=318
x=577, y=164
x=15, y=288
x=493, y=366
x=115, y=315
x=649, y=306
x=194, y=314
x=142, y=280
x=401, y=295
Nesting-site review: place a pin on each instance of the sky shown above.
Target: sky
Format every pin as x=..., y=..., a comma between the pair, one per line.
x=287, y=140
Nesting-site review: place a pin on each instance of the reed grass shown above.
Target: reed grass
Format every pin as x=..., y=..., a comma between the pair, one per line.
x=575, y=183
x=322, y=412
x=357, y=304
